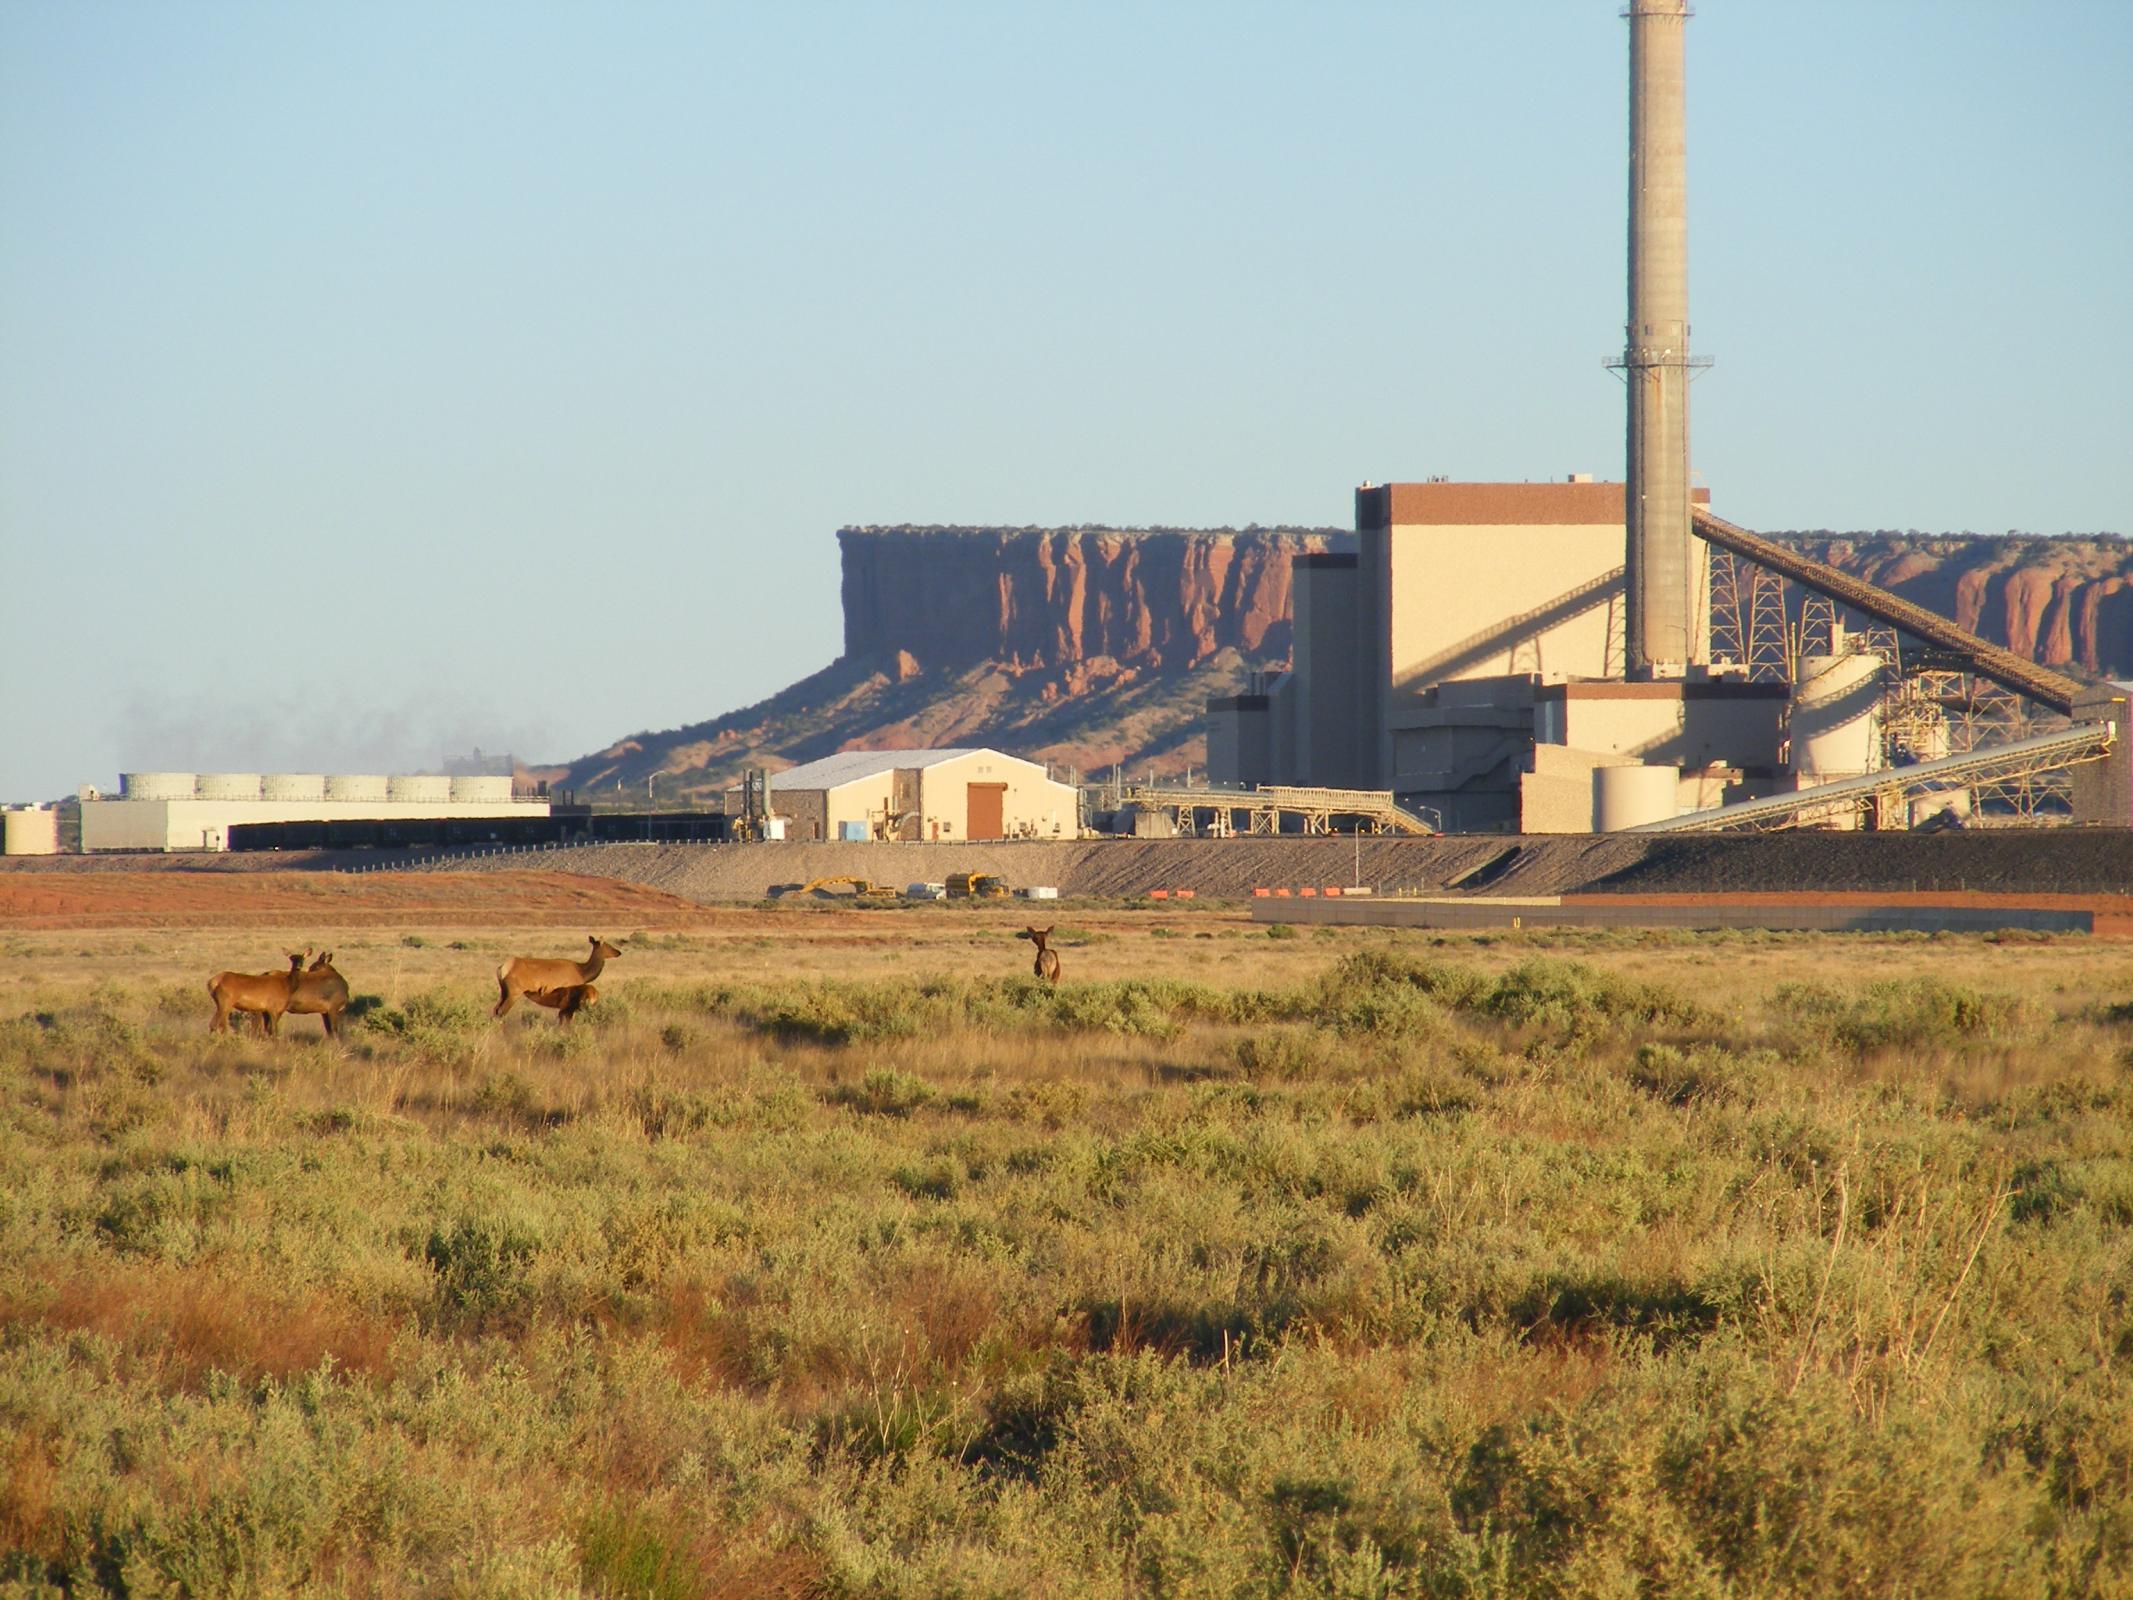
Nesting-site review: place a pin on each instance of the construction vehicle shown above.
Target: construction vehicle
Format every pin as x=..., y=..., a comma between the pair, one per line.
x=977, y=886
x=862, y=888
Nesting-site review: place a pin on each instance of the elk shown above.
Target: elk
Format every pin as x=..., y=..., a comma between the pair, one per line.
x=522, y=975
x=265, y=995
x=566, y=1003
x=1047, y=966
x=321, y=992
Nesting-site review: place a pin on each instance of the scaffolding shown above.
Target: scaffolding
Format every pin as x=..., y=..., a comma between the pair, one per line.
x=1213, y=812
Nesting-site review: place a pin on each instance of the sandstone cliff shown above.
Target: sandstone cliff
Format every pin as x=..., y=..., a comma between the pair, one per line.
x=1068, y=601
x=1087, y=647
x=1080, y=646
x=2062, y=602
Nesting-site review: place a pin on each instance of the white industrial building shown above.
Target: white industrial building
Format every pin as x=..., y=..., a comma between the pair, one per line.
x=168, y=811
x=923, y=795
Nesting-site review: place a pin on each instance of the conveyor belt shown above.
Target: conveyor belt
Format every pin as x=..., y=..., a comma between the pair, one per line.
x=2043, y=752
x=1986, y=659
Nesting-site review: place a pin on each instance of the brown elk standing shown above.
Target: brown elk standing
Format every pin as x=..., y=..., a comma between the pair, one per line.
x=1047, y=966
x=522, y=975
x=261, y=994
x=321, y=992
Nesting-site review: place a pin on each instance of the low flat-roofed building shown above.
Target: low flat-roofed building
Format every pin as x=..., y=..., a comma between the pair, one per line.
x=173, y=811
x=923, y=795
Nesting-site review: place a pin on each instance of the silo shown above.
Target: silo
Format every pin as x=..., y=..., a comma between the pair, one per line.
x=229, y=786
x=366, y=786
x=1836, y=715
x=1629, y=797
x=32, y=831
x=157, y=785
x=420, y=789
x=292, y=786
x=486, y=791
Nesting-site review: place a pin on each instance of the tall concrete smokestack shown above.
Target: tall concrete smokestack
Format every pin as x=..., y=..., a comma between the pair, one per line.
x=1667, y=568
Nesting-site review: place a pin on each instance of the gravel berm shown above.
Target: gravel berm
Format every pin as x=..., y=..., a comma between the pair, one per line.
x=2003, y=860
x=2057, y=861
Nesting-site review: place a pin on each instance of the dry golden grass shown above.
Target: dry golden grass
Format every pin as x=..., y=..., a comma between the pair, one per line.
x=832, y=1257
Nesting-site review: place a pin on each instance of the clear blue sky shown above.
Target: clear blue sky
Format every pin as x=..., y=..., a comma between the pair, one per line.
x=381, y=380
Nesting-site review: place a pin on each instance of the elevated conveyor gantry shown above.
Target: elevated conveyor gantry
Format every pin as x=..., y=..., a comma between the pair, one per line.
x=1987, y=660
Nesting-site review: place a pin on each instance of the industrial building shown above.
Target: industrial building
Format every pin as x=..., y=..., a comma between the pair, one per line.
x=921, y=795
x=1475, y=624
x=166, y=811
x=1575, y=655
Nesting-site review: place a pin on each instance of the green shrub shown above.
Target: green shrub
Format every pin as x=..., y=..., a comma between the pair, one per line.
x=841, y=1013
x=1700, y=1073
x=1278, y=1052
x=624, y=1553
x=1569, y=995
x=883, y=1092
x=483, y=1267
x=1905, y=1014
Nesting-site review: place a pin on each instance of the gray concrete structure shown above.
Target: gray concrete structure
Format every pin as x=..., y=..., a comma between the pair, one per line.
x=1333, y=700
x=2103, y=790
x=1668, y=572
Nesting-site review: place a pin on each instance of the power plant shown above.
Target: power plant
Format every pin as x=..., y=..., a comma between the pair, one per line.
x=1573, y=656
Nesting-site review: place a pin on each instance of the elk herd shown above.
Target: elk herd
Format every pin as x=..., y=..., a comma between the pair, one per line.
x=564, y=987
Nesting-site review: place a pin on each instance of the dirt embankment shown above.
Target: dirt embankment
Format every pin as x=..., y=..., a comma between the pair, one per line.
x=171, y=899
x=652, y=884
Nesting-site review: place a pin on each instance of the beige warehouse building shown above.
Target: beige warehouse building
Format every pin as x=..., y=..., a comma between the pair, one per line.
x=923, y=795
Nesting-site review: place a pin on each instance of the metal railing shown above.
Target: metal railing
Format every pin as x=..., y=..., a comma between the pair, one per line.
x=1269, y=802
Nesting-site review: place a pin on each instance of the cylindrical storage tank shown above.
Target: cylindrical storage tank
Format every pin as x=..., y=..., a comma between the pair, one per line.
x=292, y=786
x=229, y=786
x=421, y=790
x=32, y=831
x=157, y=785
x=1629, y=797
x=1836, y=715
x=486, y=791
x=357, y=786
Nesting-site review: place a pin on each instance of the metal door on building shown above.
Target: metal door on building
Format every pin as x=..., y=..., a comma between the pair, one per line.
x=988, y=810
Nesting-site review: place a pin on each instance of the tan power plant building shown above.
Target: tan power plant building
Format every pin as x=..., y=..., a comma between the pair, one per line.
x=1470, y=656
x=169, y=811
x=923, y=795
x=1538, y=657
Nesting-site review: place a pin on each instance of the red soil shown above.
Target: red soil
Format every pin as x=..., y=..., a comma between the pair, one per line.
x=274, y=899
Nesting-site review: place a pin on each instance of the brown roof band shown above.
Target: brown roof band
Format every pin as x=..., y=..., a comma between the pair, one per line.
x=1388, y=505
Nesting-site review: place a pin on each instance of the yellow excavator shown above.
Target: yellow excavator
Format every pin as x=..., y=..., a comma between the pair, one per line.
x=862, y=888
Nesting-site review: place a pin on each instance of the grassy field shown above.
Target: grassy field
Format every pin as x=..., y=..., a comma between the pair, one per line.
x=833, y=1256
